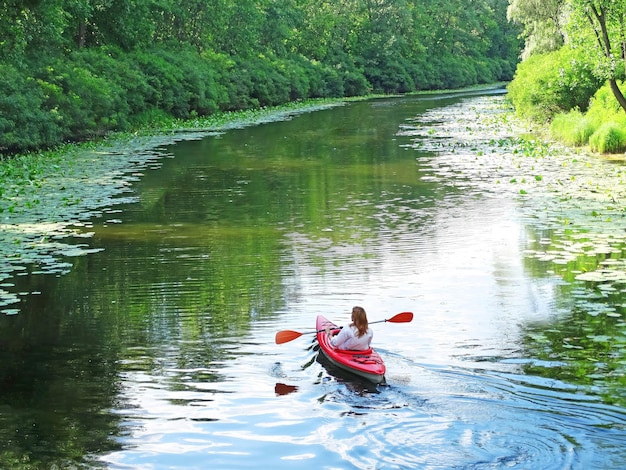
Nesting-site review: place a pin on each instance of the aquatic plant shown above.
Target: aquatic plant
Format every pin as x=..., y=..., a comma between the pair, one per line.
x=572, y=204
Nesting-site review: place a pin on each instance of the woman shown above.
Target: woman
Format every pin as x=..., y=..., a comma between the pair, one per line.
x=356, y=336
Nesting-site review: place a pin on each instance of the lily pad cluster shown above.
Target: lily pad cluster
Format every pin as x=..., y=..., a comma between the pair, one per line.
x=573, y=205
x=575, y=201
x=49, y=201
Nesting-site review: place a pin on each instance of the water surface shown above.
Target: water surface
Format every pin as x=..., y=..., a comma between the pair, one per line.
x=157, y=349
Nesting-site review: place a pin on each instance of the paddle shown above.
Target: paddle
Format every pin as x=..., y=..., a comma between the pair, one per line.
x=285, y=336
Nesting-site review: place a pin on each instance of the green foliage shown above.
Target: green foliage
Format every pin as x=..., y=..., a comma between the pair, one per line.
x=24, y=123
x=572, y=128
x=460, y=72
x=122, y=72
x=546, y=84
x=268, y=86
x=603, y=126
x=270, y=81
x=78, y=69
x=604, y=106
x=179, y=82
x=609, y=138
x=328, y=83
x=388, y=75
x=586, y=43
x=542, y=29
x=85, y=103
x=355, y=83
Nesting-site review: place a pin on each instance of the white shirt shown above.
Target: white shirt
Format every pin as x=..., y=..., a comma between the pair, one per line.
x=348, y=339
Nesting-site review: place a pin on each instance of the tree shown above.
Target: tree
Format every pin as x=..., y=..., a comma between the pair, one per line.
x=607, y=19
x=543, y=24
x=598, y=26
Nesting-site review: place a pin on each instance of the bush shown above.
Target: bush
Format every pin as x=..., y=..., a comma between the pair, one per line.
x=24, y=122
x=331, y=82
x=424, y=75
x=604, y=106
x=123, y=71
x=317, y=80
x=609, y=138
x=87, y=104
x=179, y=81
x=388, y=75
x=603, y=127
x=166, y=78
x=572, y=128
x=546, y=84
x=296, y=70
x=350, y=78
x=269, y=86
x=355, y=83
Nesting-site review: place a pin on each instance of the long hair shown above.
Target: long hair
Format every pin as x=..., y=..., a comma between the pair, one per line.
x=359, y=319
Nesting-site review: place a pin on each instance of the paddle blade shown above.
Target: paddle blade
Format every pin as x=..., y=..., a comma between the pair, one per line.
x=404, y=317
x=285, y=336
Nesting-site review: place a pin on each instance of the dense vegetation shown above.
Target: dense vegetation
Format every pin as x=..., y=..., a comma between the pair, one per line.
x=72, y=70
x=573, y=70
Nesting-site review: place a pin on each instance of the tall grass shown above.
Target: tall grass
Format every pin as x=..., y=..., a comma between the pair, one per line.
x=572, y=128
x=610, y=119
x=609, y=138
x=602, y=127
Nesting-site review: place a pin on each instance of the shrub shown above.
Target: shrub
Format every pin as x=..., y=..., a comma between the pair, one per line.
x=24, y=122
x=331, y=81
x=609, y=138
x=604, y=106
x=316, y=81
x=388, y=75
x=425, y=75
x=447, y=72
x=348, y=78
x=355, y=83
x=122, y=70
x=269, y=86
x=87, y=104
x=546, y=84
x=238, y=83
x=180, y=82
x=165, y=77
x=572, y=128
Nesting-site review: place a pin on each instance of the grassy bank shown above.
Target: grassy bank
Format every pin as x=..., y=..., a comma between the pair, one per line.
x=578, y=108
x=602, y=128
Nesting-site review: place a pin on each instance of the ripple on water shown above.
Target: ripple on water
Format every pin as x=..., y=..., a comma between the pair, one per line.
x=448, y=416
x=455, y=418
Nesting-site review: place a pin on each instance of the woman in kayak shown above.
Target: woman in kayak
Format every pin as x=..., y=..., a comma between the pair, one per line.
x=356, y=336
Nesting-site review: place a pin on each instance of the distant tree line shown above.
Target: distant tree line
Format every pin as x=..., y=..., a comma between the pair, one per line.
x=75, y=69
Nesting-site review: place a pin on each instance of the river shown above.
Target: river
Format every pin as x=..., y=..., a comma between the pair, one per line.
x=144, y=338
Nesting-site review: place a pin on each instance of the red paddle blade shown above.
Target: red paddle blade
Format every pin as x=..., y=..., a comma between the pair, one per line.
x=285, y=336
x=404, y=317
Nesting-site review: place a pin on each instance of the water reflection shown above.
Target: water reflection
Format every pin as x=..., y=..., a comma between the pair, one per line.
x=158, y=351
x=284, y=389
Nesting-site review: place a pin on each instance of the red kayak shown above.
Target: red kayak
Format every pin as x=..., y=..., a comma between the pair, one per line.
x=366, y=363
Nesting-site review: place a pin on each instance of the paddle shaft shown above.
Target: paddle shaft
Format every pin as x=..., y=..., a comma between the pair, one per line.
x=289, y=335
x=340, y=327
